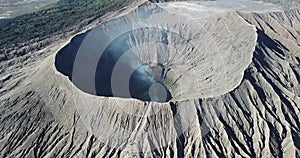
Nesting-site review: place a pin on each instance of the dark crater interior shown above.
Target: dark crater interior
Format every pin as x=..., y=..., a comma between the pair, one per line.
x=131, y=79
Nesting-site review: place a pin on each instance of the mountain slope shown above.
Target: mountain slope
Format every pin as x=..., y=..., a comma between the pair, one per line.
x=257, y=115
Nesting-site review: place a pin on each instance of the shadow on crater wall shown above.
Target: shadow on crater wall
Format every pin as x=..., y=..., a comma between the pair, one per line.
x=119, y=73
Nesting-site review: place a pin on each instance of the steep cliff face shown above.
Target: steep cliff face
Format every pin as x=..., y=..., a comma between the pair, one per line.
x=233, y=76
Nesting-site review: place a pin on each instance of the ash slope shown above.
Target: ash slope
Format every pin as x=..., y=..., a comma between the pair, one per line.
x=260, y=117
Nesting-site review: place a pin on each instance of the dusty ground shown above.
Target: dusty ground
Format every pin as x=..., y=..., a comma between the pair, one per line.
x=12, y=8
x=248, y=105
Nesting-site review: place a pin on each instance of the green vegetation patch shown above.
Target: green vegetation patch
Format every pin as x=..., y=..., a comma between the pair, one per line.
x=60, y=17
